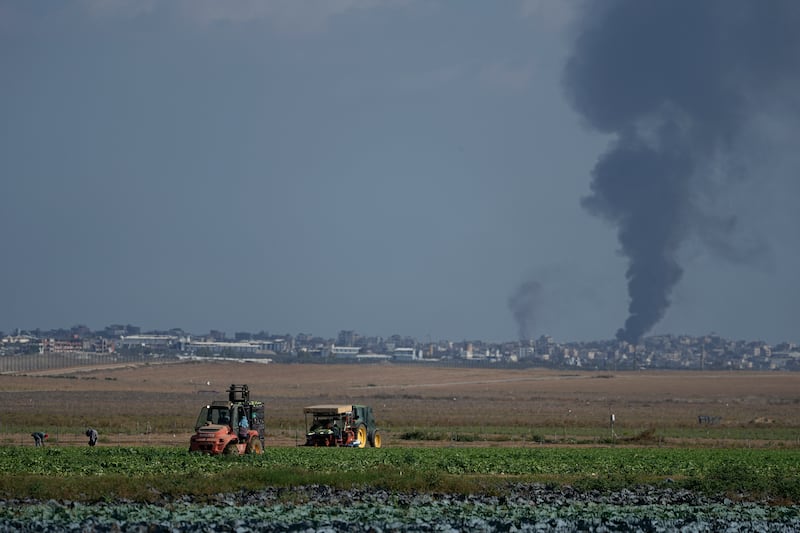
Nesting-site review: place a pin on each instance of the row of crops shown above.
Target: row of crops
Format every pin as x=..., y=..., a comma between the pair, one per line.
x=357, y=511
x=445, y=489
x=751, y=469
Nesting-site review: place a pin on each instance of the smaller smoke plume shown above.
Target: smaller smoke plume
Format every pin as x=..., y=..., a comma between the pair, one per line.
x=524, y=304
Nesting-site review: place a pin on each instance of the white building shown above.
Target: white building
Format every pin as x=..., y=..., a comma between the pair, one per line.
x=406, y=353
x=221, y=347
x=344, y=351
x=153, y=341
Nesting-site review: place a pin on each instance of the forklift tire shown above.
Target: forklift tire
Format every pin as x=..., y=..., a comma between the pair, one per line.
x=254, y=446
x=231, y=449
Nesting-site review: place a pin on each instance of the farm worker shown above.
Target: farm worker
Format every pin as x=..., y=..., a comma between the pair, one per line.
x=244, y=427
x=92, y=434
x=38, y=438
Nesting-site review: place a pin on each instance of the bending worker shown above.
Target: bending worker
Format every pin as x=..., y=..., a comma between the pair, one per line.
x=38, y=438
x=92, y=434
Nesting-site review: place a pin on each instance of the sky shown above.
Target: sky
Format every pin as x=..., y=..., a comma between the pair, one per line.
x=438, y=169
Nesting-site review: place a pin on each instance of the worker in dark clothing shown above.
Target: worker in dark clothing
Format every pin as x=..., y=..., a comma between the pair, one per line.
x=92, y=434
x=38, y=438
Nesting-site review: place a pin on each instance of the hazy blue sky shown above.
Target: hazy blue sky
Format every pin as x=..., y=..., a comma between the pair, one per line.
x=442, y=169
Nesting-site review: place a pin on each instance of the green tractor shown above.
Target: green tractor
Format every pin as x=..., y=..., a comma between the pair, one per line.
x=341, y=425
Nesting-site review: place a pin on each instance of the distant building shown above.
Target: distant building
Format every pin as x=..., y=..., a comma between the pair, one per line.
x=216, y=335
x=60, y=346
x=344, y=351
x=223, y=347
x=149, y=341
x=347, y=338
x=406, y=354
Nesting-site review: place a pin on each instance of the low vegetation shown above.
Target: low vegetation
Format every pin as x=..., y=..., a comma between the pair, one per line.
x=149, y=473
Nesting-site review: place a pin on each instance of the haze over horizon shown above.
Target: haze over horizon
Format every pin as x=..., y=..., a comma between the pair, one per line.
x=461, y=170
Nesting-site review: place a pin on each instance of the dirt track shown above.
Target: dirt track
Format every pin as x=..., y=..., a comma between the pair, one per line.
x=158, y=402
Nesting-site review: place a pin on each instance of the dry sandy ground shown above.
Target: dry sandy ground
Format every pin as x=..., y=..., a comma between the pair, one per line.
x=158, y=403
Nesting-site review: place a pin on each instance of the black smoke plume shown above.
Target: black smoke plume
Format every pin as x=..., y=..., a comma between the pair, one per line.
x=524, y=304
x=675, y=83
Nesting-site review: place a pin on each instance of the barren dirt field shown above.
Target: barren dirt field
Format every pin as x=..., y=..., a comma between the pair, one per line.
x=158, y=403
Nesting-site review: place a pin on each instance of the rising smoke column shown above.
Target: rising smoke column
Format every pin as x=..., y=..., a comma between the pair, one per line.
x=675, y=83
x=523, y=304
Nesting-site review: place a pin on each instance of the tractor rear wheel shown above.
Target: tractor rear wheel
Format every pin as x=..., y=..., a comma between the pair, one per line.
x=361, y=435
x=375, y=439
x=254, y=446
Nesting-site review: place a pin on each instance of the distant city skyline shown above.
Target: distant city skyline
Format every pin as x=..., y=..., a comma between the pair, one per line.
x=44, y=349
x=342, y=337
x=443, y=170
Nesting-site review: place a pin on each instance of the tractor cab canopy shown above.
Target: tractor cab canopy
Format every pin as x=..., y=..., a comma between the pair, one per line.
x=324, y=416
x=328, y=410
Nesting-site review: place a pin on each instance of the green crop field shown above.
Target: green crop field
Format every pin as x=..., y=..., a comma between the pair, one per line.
x=141, y=473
